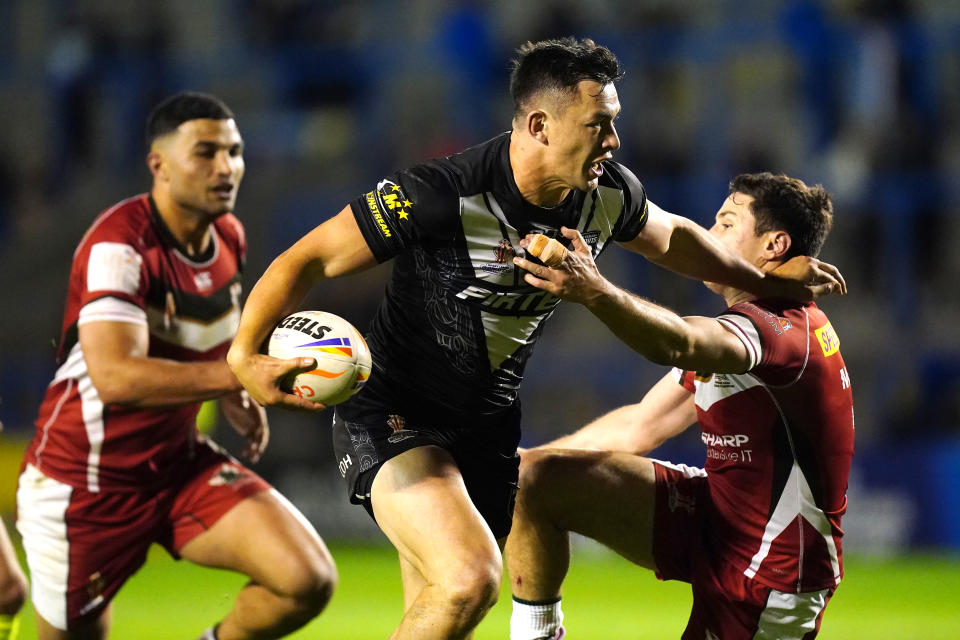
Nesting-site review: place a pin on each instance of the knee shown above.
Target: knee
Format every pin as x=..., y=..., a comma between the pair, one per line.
x=13, y=593
x=538, y=468
x=317, y=586
x=474, y=587
x=309, y=584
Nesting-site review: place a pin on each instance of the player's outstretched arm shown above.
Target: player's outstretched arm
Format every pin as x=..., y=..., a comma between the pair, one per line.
x=666, y=410
x=333, y=249
x=684, y=247
x=655, y=332
x=117, y=360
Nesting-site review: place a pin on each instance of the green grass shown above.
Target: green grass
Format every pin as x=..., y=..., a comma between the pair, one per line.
x=903, y=598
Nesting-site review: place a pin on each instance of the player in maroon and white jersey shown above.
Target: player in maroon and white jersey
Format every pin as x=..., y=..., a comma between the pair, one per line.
x=116, y=463
x=756, y=531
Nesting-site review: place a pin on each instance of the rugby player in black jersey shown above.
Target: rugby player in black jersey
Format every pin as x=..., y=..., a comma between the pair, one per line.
x=429, y=446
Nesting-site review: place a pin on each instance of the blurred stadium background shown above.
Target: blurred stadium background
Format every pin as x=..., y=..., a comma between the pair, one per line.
x=862, y=96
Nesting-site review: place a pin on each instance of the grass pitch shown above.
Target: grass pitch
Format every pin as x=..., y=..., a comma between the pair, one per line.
x=903, y=598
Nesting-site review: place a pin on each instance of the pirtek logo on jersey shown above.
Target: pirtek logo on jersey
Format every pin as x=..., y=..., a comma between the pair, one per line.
x=510, y=301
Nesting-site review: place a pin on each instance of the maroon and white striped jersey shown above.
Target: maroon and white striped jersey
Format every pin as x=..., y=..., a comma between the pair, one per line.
x=130, y=268
x=779, y=445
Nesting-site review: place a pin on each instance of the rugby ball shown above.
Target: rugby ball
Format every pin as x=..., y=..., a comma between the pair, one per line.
x=343, y=358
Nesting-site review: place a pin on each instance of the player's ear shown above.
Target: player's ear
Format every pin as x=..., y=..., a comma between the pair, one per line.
x=777, y=245
x=155, y=164
x=536, y=124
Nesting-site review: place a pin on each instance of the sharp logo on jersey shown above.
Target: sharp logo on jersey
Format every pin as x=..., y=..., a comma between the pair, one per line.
x=304, y=325
x=715, y=440
x=827, y=337
x=391, y=197
x=510, y=302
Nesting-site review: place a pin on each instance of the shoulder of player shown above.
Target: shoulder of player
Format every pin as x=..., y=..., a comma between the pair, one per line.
x=230, y=228
x=474, y=169
x=776, y=318
x=126, y=222
x=618, y=176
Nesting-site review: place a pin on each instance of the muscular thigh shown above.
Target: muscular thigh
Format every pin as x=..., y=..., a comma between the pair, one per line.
x=422, y=505
x=606, y=496
x=230, y=518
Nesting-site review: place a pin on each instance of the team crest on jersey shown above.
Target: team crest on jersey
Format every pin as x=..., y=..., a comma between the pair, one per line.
x=392, y=198
x=504, y=251
x=591, y=237
x=399, y=426
x=678, y=501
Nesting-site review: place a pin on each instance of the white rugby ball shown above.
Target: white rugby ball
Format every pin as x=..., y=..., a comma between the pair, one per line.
x=343, y=358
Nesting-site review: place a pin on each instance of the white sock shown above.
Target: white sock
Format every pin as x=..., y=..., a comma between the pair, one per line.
x=209, y=634
x=531, y=620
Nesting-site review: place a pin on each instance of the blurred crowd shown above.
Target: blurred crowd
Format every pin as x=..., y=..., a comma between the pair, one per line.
x=862, y=96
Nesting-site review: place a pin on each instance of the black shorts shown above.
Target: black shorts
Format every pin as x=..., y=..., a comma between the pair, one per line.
x=486, y=456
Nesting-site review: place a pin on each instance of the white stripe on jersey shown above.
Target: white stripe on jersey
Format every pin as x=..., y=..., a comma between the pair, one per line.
x=114, y=266
x=53, y=417
x=790, y=616
x=111, y=309
x=504, y=334
x=41, y=508
x=687, y=471
x=796, y=500
x=720, y=386
x=744, y=329
x=91, y=407
x=193, y=334
x=92, y=410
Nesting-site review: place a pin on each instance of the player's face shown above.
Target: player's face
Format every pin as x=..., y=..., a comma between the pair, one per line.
x=735, y=226
x=583, y=135
x=202, y=163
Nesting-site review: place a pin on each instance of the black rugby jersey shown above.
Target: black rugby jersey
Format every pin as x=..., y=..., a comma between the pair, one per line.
x=458, y=323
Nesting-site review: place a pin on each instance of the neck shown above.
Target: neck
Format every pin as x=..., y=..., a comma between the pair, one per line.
x=534, y=184
x=734, y=296
x=191, y=228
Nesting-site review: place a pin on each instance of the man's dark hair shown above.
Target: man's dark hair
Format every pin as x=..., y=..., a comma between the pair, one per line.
x=558, y=66
x=781, y=203
x=181, y=107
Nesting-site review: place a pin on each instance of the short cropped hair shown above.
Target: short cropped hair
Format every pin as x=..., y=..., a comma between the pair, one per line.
x=558, y=66
x=182, y=107
x=781, y=203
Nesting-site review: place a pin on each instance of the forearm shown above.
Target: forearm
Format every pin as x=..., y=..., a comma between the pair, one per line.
x=665, y=410
x=614, y=431
x=157, y=382
x=654, y=332
x=277, y=294
x=692, y=251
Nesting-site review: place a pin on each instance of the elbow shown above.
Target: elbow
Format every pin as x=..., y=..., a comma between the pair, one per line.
x=673, y=352
x=112, y=386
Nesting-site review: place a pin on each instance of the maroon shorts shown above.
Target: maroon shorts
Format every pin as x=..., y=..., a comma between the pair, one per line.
x=726, y=604
x=81, y=547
